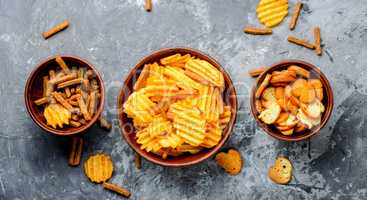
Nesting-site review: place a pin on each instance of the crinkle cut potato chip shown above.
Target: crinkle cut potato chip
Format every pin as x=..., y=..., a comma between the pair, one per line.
x=98, y=168
x=177, y=106
x=272, y=12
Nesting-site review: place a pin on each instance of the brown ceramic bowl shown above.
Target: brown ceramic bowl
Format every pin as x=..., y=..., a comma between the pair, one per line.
x=327, y=101
x=34, y=90
x=127, y=128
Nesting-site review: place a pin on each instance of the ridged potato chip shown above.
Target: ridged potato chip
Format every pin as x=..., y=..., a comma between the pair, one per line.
x=56, y=115
x=98, y=168
x=272, y=12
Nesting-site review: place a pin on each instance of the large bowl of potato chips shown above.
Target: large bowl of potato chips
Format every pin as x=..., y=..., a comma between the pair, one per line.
x=177, y=107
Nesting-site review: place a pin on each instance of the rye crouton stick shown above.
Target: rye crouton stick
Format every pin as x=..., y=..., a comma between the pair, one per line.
x=63, y=65
x=69, y=83
x=300, y=42
x=55, y=29
x=76, y=151
x=119, y=190
x=45, y=81
x=104, y=123
x=62, y=101
x=83, y=109
x=148, y=5
x=92, y=102
x=297, y=10
x=262, y=86
x=41, y=101
x=254, y=72
x=61, y=79
x=317, y=36
x=137, y=160
x=67, y=92
x=257, y=31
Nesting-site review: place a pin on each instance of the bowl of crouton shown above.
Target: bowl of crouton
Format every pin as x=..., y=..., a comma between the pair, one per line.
x=292, y=100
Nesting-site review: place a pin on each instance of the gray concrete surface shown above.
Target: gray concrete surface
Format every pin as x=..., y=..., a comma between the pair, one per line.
x=115, y=34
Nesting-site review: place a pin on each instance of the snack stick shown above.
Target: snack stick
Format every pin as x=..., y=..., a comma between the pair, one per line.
x=63, y=65
x=67, y=92
x=72, y=90
x=74, y=97
x=119, y=190
x=45, y=82
x=41, y=101
x=63, y=95
x=257, y=31
x=74, y=70
x=297, y=10
x=52, y=73
x=75, y=117
x=317, y=36
x=299, y=71
x=254, y=72
x=137, y=160
x=148, y=5
x=62, y=101
x=104, y=123
x=81, y=72
x=300, y=42
x=75, y=123
x=89, y=74
x=69, y=83
x=262, y=86
x=281, y=78
x=196, y=77
x=92, y=102
x=83, y=109
x=73, y=103
x=63, y=25
x=76, y=151
x=82, y=121
x=144, y=74
x=86, y=85
x=87, y=102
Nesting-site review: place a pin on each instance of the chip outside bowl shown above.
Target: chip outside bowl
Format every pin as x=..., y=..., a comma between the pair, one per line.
x=34, y=89
x=327, y=101
x=127, y=128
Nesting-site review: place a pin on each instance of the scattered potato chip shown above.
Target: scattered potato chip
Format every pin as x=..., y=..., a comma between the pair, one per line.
x=98, y=168
x=231, y=162
x=272, y=12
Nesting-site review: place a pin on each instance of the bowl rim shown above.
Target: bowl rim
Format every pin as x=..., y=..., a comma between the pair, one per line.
x=28, y=100
x=327, y=90
x=214, y=149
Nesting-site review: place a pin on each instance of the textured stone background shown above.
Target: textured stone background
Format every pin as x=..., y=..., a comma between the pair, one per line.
x=115, y=34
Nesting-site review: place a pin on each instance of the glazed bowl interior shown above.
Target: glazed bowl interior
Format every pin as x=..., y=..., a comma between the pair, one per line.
x=34, y=91
x=327, y=101
x=126, y=124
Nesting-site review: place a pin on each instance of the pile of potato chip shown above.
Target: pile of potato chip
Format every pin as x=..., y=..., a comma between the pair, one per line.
x=177, y=106
x=290, y=100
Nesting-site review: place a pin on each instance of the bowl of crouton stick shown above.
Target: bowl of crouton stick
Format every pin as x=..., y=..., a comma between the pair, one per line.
x=292, y=100
x=64, y=95
x=177, y=107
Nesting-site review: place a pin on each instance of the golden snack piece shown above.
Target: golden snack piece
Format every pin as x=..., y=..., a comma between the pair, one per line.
x=257, y=31
x=256, y=71
x=118, y=189
x=295, y=15
x=231, y=162
x=263, y=85
x=137, y=160
x=56, y=115
x=98, y=168
x=63, y=25
x=300, y=42
x=270, y=114
x=272, y=12
x=104, y=123
x=76, y=151
x=281, y=171
x=317, y=36
x=148, y=5
x=63, y=65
